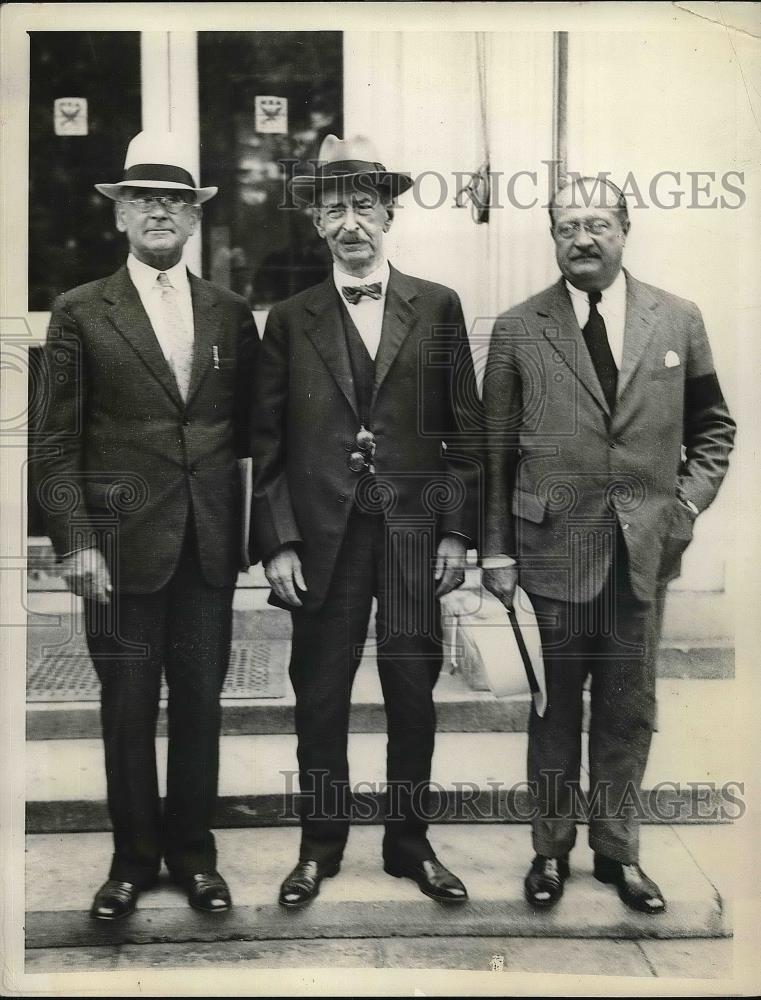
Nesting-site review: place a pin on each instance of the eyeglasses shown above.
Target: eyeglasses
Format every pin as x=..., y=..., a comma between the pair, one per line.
x=173, y=203
x=594, y=226
x=362, y=460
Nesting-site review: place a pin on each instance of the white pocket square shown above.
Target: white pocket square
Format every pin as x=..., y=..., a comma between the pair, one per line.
x=671, y=360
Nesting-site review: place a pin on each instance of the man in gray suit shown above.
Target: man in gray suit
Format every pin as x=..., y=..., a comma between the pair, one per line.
x=608, y=435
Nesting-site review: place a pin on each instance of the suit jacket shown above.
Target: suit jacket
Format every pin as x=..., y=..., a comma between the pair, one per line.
x=121, y=443
x=424, y=404
x=565, y=475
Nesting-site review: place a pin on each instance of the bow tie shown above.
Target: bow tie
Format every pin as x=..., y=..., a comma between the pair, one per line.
x=353, y=293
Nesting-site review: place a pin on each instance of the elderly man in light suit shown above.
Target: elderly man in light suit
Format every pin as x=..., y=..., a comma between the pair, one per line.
x=151, y=372
x=608, y=436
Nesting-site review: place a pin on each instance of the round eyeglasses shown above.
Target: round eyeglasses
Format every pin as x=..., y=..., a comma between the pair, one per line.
x=173, y=203
x=596, y=227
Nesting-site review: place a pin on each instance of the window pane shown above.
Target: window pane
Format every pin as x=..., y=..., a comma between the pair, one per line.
x=251, y=246
x=84, y=107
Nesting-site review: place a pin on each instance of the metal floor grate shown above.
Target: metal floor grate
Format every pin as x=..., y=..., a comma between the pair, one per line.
x=65, y=673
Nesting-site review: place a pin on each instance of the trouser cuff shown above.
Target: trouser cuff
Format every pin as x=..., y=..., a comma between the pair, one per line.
x=553, y=847
x=191, y=864
x=626, y=854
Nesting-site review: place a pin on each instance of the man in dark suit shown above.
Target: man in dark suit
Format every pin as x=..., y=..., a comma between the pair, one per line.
x=363, y=382
x=608, y=435
x=150, y=381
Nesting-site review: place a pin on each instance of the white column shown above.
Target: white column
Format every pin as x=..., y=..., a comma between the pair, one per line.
x=184, y=115
x=154, y=80
x=169, y=80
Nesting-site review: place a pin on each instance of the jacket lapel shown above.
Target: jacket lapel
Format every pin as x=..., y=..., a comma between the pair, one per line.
x=639, y=328
x=557, y=307
x=207, y=331
x=325, y=328
x=128, y=316
x=399, y=317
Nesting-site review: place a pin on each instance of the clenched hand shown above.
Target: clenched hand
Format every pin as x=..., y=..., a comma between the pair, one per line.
x=86, y=575
x=283, y=572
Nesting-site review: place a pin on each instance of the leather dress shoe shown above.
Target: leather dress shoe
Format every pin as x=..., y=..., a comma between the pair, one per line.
x=207, y=891
x=432, y=877
x=114, y=900
x=543, y=886
x=303, y=883
x=636, y=890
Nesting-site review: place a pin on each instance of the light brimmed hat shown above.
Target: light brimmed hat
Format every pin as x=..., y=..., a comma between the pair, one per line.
x=345, y=160
x=158, y=160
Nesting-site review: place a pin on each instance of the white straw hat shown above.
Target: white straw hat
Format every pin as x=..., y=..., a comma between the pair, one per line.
x=158, y=160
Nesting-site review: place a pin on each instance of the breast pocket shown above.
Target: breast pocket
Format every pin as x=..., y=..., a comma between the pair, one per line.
x=669, y=367
x=220, y=376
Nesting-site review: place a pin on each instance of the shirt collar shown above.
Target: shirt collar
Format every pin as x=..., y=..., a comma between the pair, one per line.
x=144, y=277
x=381, y=273
x=613, y=297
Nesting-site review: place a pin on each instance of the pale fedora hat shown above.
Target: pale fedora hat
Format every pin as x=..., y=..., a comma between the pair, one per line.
x=345, y=160
x=158, y=160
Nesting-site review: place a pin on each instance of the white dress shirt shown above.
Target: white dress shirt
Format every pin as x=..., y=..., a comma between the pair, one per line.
x=612, y=308
x=145, y=280
x=367, y=314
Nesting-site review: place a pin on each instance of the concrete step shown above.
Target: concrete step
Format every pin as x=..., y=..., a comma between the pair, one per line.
x=477, y=777
x=700, y=656
x=362, y=901
x=459, y=709
x=686, y=958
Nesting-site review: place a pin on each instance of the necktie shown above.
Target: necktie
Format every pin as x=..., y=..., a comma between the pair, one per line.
x=596, y=339
x=180, y=340
x=353, y=293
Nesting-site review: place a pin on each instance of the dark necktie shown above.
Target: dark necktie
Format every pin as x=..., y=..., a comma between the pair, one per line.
x=353, y=293
x=596, y=339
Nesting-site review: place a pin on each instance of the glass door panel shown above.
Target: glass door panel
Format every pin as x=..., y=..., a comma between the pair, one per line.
x=265, y=97
x=84, y=107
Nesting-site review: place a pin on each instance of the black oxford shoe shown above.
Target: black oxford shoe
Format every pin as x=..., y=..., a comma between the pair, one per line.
x=432, y=877
x=543, y=886
x=207, y=891
x=114, y=900
x=303, y=883
x=636, y=890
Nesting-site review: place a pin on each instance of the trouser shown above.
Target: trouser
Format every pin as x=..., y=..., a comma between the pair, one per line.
x=613, y=638
x=183, y=629
x=327, y=648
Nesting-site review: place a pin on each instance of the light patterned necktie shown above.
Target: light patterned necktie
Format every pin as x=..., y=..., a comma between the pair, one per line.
x=180, y=339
